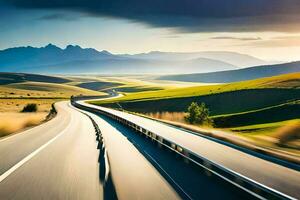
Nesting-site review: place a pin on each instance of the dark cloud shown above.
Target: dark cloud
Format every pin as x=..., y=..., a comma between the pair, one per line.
x=235, y=38
x=59, y=16
x=187, y=15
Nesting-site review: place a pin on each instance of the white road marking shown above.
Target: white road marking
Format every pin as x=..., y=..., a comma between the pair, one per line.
x=27, y=158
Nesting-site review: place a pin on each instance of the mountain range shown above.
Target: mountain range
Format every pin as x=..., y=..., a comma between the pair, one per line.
x=74, y=60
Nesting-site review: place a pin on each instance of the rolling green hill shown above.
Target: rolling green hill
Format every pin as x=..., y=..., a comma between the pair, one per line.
x=272, y=114
x=220, y=99
x=221, y=103
x=288, y=81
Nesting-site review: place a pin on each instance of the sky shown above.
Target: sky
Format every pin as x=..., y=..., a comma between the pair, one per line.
x=267, y=29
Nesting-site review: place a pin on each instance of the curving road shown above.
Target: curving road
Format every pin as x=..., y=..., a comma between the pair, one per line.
x=63, y=159
x=57, y=160
x=60, y=160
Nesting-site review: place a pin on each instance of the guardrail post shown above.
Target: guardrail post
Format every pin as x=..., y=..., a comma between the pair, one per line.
x=208, y=166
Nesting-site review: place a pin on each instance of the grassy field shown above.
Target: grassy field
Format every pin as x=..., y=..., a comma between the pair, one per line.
x=289, y=81
x=222, y=103
x=16, y=105
x=220, y=99
x=133, y=84
x=266, y=129
x=122, y=84
x=13, y=122
x=269, y=134
x=271, y=114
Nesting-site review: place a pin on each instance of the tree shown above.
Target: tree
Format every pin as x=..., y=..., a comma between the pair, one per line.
x=198, y=114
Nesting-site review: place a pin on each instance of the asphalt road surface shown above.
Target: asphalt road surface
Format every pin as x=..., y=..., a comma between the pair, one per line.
x=60, y=160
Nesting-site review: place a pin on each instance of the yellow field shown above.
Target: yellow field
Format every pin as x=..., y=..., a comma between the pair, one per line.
x=16, y=105
x=14, y=122
x=170, y=116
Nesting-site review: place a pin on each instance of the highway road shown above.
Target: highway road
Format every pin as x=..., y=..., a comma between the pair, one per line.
x=65, y=159
x=276, y=177
x=60, y=160
x=57, y=160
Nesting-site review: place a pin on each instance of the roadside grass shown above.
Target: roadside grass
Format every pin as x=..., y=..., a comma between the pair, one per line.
x=267, y=129
x=14, y=122
x=289, y=133
x=16, y=105
x=269, y=135
x=260, y=135
x=170, y=116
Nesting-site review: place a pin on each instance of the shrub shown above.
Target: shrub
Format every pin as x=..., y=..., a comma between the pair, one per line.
x=31, y=107
x=198, y=114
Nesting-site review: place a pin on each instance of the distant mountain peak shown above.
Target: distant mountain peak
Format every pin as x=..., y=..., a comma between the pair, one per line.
x=51, y=46
x=73, y=47
x=106, y=52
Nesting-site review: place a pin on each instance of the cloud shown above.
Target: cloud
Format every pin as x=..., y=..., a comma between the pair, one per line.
x=275, y=42
x=236, y=38
x=187, y=15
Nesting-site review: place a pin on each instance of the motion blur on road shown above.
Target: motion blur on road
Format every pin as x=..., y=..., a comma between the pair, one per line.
x=66, y=158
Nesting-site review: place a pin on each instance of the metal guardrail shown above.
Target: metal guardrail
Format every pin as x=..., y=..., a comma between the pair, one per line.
x=248, y=185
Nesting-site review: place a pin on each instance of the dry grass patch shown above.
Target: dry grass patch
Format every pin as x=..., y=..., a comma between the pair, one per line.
x=170, y=116
x=288, y=133
x=14, y=122
x=16, y=105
